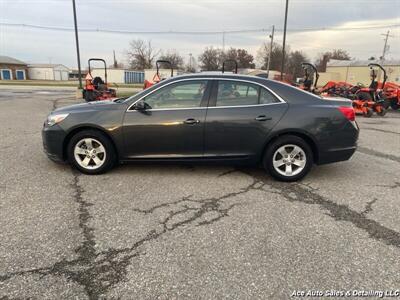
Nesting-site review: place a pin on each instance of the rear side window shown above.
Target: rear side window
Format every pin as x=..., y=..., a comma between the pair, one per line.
x=266, y=97
x=235, y=93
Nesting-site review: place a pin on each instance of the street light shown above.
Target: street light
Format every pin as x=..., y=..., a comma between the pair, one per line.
x=284, y=39
x=77, y=46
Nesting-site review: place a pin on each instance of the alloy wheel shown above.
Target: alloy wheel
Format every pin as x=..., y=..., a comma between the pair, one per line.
x=289, y=160
x=89, y=153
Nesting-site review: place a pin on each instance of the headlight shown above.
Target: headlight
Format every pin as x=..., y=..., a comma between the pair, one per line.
x=55, y=119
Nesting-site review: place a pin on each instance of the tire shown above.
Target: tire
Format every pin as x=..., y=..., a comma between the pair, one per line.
x=368, y=112
x=94, y=157
x=89, y=96
x=394, y=104
x=382, y=112
x=274, y=153
x=386, y=104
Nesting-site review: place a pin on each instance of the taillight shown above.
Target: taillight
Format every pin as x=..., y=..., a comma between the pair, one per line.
x=348, y=112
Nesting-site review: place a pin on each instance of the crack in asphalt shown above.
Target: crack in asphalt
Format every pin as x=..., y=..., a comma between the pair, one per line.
x=378, y=154
x=380, y=130
x=227, y=172
x=299, y=192
x=395, y=185
x=56, y=101
x=98, y=272
x=368, y=207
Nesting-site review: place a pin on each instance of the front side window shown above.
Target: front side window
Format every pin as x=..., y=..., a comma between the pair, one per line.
x=178, y=95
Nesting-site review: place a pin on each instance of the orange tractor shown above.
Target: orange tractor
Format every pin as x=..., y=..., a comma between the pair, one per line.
x=371, y=99
x=95, y=88
x=157, y=77
x=391, y=91
x=308, y=80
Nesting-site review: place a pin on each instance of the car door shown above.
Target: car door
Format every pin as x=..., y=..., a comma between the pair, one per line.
x=172, y=125
x=240, y=116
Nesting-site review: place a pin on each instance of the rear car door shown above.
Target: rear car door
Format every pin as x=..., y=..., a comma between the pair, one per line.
x=173, y=124
x=240, y=116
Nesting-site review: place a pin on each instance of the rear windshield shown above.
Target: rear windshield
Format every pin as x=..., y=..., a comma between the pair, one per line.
x=290, y=93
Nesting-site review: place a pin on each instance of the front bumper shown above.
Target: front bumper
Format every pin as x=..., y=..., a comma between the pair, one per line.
x=53, y=142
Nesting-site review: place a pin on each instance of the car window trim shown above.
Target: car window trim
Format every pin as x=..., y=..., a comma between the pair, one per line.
x=210, y=82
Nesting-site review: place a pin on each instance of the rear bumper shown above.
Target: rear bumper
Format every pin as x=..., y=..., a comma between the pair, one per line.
x=53, y=139
x=336, y=155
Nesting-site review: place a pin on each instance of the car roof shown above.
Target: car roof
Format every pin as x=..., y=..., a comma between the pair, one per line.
x=217, y=75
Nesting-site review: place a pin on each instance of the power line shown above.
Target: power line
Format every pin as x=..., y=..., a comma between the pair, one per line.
x=242, y=31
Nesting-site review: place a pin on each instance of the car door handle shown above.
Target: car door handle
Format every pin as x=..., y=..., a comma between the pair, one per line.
x=263, y=118
x=191, y=121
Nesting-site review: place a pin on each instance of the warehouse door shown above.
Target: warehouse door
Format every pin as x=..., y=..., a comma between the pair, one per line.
x=57, y=75
x=6, y=74
x=64, y=75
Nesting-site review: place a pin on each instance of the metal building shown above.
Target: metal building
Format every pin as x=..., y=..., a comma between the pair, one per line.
x=48, y=72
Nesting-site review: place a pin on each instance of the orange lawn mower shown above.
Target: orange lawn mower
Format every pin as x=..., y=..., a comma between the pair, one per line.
x=391, y=91
x=371, y=99
x=95, y=88
x=157, y=78
x=308, y=80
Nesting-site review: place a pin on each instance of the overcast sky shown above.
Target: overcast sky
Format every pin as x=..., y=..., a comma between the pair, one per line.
x=44, y=46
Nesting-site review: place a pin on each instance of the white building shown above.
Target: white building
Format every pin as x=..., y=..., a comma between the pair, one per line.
x=115, y=75
x=48, y=72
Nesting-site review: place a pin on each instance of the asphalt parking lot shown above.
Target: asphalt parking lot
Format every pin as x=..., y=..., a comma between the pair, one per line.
x=204, y=232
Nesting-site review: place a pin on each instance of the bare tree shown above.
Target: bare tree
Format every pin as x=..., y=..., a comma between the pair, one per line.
x=295, y=59
x=141, y=54
x=324, y=58
x=210, y=59
x=191, y=65
x=174, y=58
x=276, y=56
x=241, y=56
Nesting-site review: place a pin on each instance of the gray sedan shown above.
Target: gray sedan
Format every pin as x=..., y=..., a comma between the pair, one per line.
x=206, y=118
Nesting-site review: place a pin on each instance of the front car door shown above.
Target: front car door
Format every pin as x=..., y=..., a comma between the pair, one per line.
x=172, y=126
x=240, y=116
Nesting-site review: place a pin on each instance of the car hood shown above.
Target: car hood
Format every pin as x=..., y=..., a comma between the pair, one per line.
x=95, y=105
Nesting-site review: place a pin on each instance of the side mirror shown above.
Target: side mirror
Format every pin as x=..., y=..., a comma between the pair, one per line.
x=141, y=105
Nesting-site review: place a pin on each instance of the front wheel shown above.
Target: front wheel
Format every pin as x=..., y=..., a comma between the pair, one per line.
x=381, y=111
x=91, y=152
x=289, y=158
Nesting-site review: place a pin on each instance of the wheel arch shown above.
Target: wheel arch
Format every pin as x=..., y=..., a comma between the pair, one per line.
x=301, y=134
x=75, y=130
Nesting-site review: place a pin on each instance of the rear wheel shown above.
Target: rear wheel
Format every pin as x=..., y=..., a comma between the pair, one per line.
x=90, y=96
x=91, y=152
x=289, y=158
x=367, y=112
x=381, y=111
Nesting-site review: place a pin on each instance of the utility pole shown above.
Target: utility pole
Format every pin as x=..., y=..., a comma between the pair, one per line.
x=385, y=47
x=190, y=61
x=223, y=41
x=115, y=60
x=284, y=39
x=271, y=36
x=77, y=45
